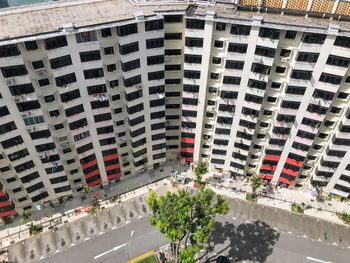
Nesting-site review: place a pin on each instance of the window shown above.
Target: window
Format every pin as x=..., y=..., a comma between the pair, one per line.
x=310, y=38
x=173, y=18
x=233, y=64
x=28, y=105
x=190, y=101
x=7, y=127
x=269, y=33
x=296, y=90
x=331, y=79
x=290, y=104
x=133, y=95
x=265, y=52
x=113, y=83
x=291, y=34
x=195, y=24
x=86, y=37
x=21, y=89
x=338, y=61
x=33, y=120
x=74, y=110
x=342, y=41
x=157, y=126
x=93, y=73
x=90, y=56
x=136, y=121
x=157, y=103
x=108, y=50
x=96, y=89
x=343, y=95
x=153, y=60
x=31, y=45
x=191, y=88
x=252, y=83
x=193, y=42
x=307, y=57
x=260, y=68
x=55, y=42
x=280, y=70
x=301, y=74
x=134, y=109
x=127, y=30
x=285, y=53
x=132, y=81
x=237, y=48
x=9, y=51
x=129, y=48
x=65, y=80
x=60, y=62
x=231, y=80
x=192, y=74
x=220, y=26
x=172, y=67
x=13, y=71
x=70, y=95
x=240, y=30
x=78, y=124
x=154, y=25
x=154, y=43
x=218, y=44
x=156, y=75
x=111, y=67
x=157, y=115
x=173, y=94
x=253, y=98
x=193, y=59
x=172, y=52
x=43, y=82
x=172, y=36
x=38, y=64
x=325, y=95
x=156, y=89
x=216, y=60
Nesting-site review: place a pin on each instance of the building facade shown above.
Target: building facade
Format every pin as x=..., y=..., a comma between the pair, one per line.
x=87, y=102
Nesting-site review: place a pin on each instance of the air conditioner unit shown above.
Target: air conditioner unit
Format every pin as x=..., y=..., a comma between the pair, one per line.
x=285, y=60
x=167, y=122
x=24, y=115
x=211, y=108
x=139, y=86
x=10, y=81
x=17, y=100
x=41, y=73
x=29, y=130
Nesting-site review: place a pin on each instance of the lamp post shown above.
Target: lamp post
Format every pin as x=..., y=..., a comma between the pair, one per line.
x=127, y=256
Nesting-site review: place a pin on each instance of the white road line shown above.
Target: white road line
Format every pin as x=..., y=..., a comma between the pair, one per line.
x=109, y=251
x=318, y=260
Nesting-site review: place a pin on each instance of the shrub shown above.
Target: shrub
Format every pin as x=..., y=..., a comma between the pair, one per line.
x=297, y=208
x=345, y=217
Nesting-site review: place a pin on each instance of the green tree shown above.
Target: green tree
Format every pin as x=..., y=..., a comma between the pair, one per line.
x=200, y=169
x=184, y=218
x=26, y=216
x=256, y=182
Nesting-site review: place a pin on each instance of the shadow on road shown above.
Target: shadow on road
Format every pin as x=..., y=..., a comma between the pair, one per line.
x=249, y=241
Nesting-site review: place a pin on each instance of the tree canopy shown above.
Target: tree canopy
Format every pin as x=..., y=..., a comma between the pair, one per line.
x=186, y=218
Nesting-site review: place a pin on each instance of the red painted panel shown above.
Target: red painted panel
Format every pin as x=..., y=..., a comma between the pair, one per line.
x=113, y=176
x=187, y=140
x=88, y=164
x=187, y=150
x=113, y=166
x=272, y=157
x=91, y=174
x=5, y=203
x=268, y=167
x=2, y=193
x=110, y=157
x=286, y=181
x=266, y=176
x=290, y=172
x=8, y=213
x=294, y=162
x=94, y=183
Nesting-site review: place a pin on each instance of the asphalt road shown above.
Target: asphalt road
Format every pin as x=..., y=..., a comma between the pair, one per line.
x=242, y=242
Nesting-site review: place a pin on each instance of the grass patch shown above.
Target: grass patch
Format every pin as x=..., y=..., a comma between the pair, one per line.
x=297, y=208
x=250, y=197
x=150, y=259
x=345, y=217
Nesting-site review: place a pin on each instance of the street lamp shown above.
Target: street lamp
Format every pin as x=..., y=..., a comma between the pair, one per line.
x=127, y=256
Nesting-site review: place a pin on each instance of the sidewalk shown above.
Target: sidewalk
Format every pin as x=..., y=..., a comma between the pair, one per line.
x=281, y=198
x=127, y=188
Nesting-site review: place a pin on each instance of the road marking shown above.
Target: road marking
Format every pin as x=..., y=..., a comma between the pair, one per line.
x=109, y=251
x=318, y=260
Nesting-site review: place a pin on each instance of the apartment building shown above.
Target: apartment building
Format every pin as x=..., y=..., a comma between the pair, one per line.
x=123, y=87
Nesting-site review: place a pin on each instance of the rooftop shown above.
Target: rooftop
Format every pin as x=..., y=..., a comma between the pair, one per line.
x=31, y=20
